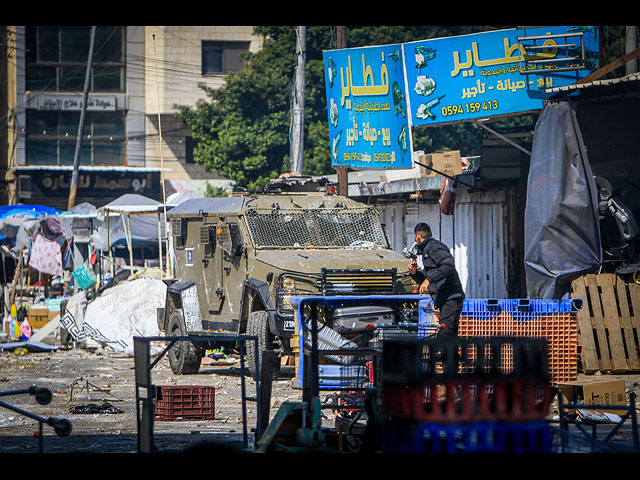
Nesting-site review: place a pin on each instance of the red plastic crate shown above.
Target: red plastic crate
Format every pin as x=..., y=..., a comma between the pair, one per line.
x=184, y=402
x=438, y=402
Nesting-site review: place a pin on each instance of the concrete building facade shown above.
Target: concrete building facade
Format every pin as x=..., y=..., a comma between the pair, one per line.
x=178, y=59
x=131, y=139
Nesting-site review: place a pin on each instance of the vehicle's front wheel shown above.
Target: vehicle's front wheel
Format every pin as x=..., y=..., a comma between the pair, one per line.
x=184, y=357
x=258, y=325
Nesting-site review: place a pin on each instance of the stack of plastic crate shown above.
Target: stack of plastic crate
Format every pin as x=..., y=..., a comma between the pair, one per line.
x=553, y=320
x=466, y=395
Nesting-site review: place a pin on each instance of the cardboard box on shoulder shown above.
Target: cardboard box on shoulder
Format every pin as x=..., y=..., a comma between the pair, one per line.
x=449, y=163
x=608, y=392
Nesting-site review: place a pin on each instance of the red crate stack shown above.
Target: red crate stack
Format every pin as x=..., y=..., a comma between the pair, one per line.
x=488, y=379
x=191, y=402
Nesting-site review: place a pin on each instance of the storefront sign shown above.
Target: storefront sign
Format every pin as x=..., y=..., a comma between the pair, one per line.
x=74, y=103
x=376, y=95
x=366, y=101
x=482, y=75
x=92, y=184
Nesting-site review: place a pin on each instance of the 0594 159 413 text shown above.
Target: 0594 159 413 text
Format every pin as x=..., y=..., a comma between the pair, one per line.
x=473, y=107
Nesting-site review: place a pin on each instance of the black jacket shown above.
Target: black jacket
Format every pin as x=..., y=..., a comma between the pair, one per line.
x=440, y=270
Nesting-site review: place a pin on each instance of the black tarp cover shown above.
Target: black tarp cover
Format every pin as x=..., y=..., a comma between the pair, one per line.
x=562, y=233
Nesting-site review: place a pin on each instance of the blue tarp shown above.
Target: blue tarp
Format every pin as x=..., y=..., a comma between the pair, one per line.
x=12, y=216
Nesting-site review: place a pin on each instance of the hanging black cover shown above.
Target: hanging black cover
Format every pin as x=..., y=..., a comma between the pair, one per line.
x=562, y=233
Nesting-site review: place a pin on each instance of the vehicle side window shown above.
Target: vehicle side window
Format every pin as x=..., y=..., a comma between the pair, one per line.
x=236, y=239
x=208, y=239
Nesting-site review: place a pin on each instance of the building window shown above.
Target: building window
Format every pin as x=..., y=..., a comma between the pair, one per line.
x=56, y=59
x=51, y=138
x=190, y=145
x=219, y=57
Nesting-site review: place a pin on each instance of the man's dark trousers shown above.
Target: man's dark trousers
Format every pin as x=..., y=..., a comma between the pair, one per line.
x=450, y=317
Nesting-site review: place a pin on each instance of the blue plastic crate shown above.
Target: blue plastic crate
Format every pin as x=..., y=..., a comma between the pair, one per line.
x=469, y=437
x=519, y=308
x=342, y=376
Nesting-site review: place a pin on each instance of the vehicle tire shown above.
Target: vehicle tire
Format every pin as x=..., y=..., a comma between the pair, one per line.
x=184, y=357
x=258, y=325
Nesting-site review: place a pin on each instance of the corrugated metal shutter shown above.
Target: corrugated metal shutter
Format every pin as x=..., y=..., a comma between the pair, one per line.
x=476, y=235
x=392, y=215
x=480, y=253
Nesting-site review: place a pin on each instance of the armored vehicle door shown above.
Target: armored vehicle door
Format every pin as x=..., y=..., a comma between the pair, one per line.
x=229, y=262
x=212, y=273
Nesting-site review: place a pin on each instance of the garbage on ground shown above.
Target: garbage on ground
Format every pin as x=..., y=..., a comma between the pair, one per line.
x=598, y=417
x=86, y=386
x=34, y=347
x=602, y=393
x=93, y=408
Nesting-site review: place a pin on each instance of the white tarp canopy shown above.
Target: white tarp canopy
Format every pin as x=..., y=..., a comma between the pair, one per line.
x=140, y=222
x=132, y=203
x=177, y=198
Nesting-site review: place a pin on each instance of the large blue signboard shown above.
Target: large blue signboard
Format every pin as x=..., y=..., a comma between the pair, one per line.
x=366, y=101
x=475, y=76
x=376, y=95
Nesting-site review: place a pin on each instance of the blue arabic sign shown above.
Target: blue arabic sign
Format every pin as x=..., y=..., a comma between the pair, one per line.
x=366, y=101
x=485, y=74
x=376, y=95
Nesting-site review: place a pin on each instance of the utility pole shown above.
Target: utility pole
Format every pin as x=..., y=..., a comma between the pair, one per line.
x=343, y=171
x=297, y=136
x=83, y=111
x=631, y=44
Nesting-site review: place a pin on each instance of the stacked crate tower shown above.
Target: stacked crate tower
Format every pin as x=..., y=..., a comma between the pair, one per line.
x=552, y=320
x=466, y=395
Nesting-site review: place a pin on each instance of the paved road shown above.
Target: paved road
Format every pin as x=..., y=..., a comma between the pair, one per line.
x=79, y=378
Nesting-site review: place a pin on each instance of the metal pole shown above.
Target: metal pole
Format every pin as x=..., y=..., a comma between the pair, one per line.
x=160, y=244
x=502, y=137
x=164, y=192
x=343, y=171
x=631, y=44
x=297, y=137
x=85, y=96
x=111, y=267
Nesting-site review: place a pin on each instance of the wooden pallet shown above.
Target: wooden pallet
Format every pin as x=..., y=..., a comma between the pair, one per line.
x=608, y=324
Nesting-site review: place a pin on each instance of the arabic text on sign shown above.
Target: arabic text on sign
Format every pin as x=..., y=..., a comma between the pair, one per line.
x=369, y=87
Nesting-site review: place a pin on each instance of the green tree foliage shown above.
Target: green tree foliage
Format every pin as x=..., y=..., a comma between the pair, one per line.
x=243, y=128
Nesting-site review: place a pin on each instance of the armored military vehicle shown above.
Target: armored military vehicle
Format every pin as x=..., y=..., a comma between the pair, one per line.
x=239, y=259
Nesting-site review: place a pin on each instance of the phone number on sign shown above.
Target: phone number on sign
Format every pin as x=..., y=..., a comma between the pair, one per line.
x=473, y=107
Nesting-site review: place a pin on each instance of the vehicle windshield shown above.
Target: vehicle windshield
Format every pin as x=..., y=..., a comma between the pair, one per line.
x=320, y=228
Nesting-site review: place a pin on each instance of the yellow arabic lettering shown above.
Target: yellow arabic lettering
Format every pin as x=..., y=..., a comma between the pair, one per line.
x=460, y=66
x=369, y=134
x=345, y=88
x=512, y=53
x=369, y=87
x=386, y=137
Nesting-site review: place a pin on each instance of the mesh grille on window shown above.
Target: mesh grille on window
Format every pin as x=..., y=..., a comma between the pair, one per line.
x=322, y=228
